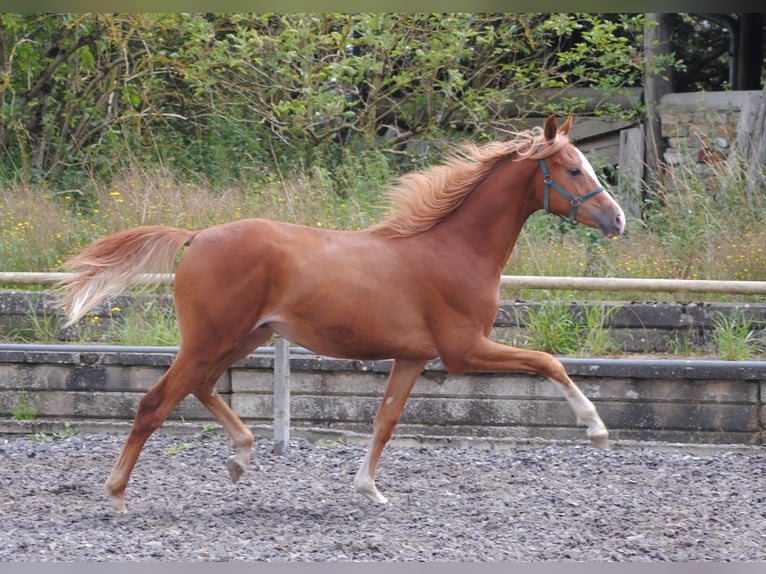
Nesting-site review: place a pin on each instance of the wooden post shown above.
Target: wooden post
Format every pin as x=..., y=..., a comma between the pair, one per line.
x=631, y=175
x=751, y=142
x=281, y=395
x=657, y=83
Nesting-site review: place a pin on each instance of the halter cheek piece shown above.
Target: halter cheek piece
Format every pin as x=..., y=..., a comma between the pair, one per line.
x=575, y=202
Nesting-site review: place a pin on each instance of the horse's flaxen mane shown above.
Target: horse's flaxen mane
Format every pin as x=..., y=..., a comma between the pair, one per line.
x=420, y=200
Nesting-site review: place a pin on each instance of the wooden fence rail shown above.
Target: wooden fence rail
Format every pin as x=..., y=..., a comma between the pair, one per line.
x=512, y=281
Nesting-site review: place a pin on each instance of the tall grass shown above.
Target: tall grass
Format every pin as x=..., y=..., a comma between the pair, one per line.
x=556, y=327
x=148, y=324
x=40, y=227
x=697, y=226
x=735, y=337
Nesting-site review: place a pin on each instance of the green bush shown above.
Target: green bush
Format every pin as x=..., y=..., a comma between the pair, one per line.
x=222, y=97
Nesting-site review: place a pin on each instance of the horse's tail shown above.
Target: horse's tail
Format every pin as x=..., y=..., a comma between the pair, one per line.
x=107, y=266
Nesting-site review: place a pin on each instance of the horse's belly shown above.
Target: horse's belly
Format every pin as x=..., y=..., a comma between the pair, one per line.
x=357, y=337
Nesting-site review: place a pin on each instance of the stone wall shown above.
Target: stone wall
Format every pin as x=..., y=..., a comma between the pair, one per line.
x=704, y=128
x=676, y=401
x=669, y=399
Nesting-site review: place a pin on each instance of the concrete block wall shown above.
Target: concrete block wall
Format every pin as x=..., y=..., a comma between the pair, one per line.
x=676, y=401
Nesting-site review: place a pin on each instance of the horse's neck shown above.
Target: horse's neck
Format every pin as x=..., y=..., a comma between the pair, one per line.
x=489, y=220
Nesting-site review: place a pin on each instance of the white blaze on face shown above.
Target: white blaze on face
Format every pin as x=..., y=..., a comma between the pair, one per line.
x=588, y=168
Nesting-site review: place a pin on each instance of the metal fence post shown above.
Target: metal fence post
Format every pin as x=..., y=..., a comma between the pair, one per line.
x=281, y=395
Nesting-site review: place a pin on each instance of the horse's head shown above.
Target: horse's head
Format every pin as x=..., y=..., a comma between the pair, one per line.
x=568, y=185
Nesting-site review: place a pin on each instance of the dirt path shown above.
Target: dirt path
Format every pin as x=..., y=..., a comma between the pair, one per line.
x=447, y=503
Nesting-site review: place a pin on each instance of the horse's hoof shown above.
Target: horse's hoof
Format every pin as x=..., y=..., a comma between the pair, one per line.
x=118, y=504
x=117, y=498
x=603, y=444
x=372, y=493
x=235, y=468
x=601, y=441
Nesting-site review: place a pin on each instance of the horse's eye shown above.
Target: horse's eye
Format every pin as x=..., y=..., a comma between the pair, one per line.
x=574, y=171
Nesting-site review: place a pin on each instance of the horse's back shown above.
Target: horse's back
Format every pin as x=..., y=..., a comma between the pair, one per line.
x=241, y=248
x=340, y=293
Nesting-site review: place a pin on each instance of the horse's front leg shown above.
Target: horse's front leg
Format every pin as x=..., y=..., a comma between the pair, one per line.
x=486, y=355
x=403, y=376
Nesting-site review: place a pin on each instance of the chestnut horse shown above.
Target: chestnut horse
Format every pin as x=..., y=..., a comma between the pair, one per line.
x=422, y=284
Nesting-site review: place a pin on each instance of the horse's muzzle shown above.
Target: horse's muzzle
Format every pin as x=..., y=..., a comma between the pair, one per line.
x=611, y=222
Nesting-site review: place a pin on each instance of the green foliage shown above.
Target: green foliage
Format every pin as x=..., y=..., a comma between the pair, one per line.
x=554, y=328
x=681, y=343
x=151, y=324
x=596, y=338
x=707, y=222
x=734, y=337
x=66, y=81
x=230, y=96
x=558, y=327
x=41, y=327
x=43, y=437
x=22, y=410
x=597, y=50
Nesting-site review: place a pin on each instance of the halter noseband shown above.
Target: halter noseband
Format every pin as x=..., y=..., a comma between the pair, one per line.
x=575, y=202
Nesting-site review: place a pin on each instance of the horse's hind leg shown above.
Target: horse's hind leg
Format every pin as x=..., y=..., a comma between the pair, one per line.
x=153, y=409
x=188, y=374
x=403, y=376
x=241, y=436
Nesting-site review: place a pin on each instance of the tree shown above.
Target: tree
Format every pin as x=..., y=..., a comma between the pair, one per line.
x=69, y=82
x=85, y=91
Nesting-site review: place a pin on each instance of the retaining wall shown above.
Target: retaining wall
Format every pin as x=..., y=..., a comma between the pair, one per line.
x=668, y=400
x=675, y=401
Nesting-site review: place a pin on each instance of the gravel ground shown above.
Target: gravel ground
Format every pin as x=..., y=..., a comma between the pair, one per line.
x=558, y=502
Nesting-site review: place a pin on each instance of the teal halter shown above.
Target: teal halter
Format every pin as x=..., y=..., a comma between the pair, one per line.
x=575, y=202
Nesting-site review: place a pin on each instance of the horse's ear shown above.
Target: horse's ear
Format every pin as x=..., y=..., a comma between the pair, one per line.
x=564, y=129
x=550, y=128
